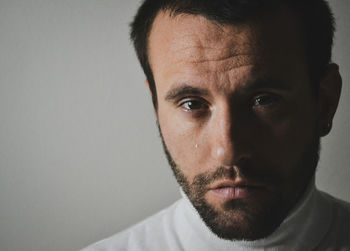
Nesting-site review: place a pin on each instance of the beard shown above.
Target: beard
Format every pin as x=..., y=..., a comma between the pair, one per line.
x=251, y=219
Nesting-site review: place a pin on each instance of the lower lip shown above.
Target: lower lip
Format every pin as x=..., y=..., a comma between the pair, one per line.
x=230, y=193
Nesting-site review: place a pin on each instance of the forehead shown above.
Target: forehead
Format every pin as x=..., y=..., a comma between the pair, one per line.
x=185, y=44
x=195, y=39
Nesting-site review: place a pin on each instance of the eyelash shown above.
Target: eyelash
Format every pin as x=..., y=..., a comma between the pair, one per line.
x=196, y=101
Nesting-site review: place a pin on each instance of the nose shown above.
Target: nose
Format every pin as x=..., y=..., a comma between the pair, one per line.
x=229, y=139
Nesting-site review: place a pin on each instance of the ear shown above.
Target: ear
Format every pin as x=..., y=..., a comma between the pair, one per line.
x=329, y=94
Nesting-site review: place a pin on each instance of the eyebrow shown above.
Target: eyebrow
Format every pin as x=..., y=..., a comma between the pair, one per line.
x=184, y=90
x=254, y=85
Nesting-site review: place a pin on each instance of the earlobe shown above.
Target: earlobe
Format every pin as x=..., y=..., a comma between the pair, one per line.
x=329, y=94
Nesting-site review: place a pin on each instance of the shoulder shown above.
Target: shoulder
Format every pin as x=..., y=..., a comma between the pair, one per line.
x=150, y=234
x=338, y=234
x=340, y=208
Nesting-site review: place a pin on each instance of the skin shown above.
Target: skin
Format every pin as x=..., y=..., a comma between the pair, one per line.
x=235, y=105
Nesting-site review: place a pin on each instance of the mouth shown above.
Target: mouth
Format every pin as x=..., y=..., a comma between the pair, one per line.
x=230, y=190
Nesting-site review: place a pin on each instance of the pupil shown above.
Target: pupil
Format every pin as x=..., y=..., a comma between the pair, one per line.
x=263, y=101
x=193, y=105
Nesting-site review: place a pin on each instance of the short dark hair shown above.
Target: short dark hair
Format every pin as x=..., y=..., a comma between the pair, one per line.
x=316, y=19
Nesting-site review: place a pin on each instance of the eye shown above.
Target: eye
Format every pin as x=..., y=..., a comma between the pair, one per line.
x=265, y=100
x=194, y=105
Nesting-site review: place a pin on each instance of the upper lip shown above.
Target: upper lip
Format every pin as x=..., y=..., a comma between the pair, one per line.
x=234, y=183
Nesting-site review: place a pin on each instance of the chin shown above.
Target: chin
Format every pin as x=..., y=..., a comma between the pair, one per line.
x=242, y=219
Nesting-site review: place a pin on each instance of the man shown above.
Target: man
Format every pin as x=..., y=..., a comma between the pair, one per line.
x=243, y=91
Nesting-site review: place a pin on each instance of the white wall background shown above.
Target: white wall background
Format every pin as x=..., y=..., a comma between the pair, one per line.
x=80, y=157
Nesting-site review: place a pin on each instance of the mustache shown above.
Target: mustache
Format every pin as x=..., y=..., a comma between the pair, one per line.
x=249, y=174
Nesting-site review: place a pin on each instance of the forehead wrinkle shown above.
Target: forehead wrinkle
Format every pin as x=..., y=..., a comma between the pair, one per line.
x=219, y=56
x=223, y=65
x=222, y=59
x=232, y=82
x=211, y=40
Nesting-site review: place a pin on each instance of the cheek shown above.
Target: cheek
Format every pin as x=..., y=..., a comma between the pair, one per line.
x=184, y=145
x=287, y=140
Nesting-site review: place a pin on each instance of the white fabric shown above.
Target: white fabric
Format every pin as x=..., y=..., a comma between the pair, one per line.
x=318, y=222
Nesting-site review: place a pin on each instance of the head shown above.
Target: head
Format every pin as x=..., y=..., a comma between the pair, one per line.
x=315, y=19
x=243, y=91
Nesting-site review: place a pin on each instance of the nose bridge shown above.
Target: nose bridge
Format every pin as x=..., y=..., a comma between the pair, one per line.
x=226, y=135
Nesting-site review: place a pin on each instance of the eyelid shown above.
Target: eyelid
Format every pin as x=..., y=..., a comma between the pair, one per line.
x=183, y=100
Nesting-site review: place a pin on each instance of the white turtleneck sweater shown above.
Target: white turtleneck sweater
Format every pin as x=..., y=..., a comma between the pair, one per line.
x=317, y=222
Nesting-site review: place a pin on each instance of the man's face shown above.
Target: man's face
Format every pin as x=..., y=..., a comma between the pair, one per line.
x=237, y=116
